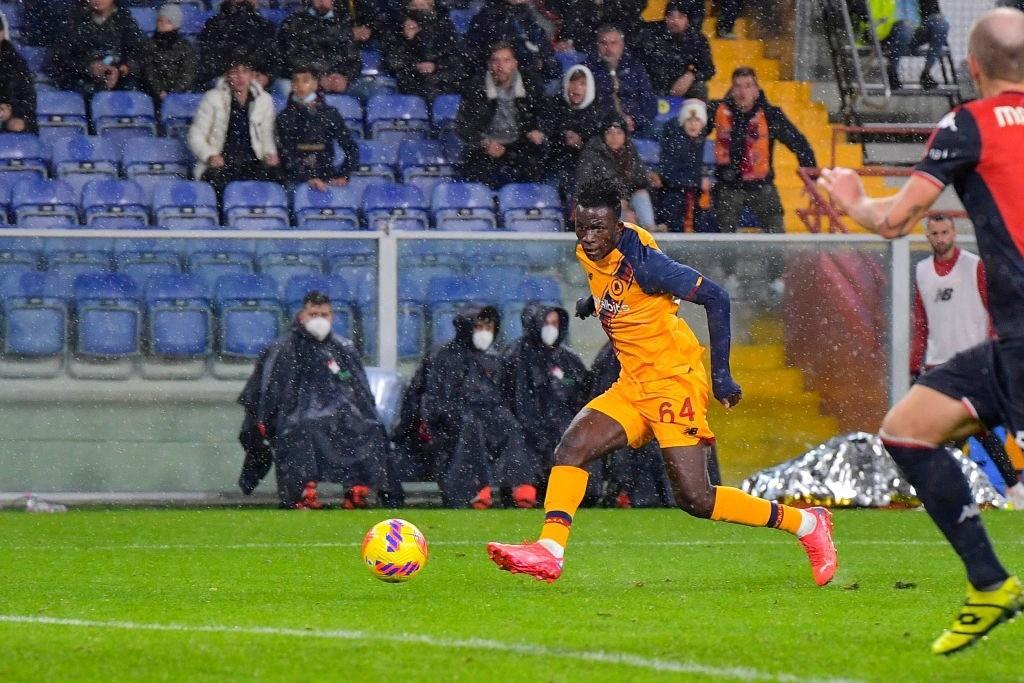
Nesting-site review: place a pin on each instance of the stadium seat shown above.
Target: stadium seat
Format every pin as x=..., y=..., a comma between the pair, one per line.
x=372, y=77
x=445, y=109
x=423, y=163
x=185, y=204
x=115, y=204
x=68, y=264
x=335, y=208
x=122, y=114
x=15, y=261
x=250, y=316
x=179, y=317
x=397, y=117
x=176, y=113
x=6, y=193
x=44, y=204
x=377, y=161
x=351, y=111
x=445, y=295
x=461, y=19
x=159, y=157
x=255, y=205
x=530, y=207
x=58, y=109
x=668, y=112
x=567, y=60
x=35, y=317
x=545, y=290
x=37, y=59
x=145, y=17
x=649, y=151
x=390, y=206
x=194, y=17
x=21, y=153
x=79, y=159
x=285, y=261
x=108, y=316
x=211, y=265
x=142, y=265
x=275, y=15
x=336, y=289
x=463, y=206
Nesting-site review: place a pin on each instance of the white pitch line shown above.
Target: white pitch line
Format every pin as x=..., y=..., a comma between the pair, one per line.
x=527, y=649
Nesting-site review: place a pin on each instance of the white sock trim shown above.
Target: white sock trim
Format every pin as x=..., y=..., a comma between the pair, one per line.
x=552, y=547
x=808, y=523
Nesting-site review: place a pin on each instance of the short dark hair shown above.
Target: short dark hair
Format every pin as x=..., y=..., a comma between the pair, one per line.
x=940, y=217
x=742, y=71
x=578, y=74
x=502, y=45
x=239, y=58
x=609, y=28
x=316, y=298
x=306, y=69
x=598, y=191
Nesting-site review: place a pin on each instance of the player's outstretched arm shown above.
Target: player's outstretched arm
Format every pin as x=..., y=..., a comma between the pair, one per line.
x=889, y=217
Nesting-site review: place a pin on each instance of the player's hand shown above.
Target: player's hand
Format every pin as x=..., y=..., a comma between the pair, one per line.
x=843, y=185
x=726, y=391
x=585, y=307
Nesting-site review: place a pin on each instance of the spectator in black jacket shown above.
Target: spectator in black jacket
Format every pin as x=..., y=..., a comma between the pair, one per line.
x=622, y=80
x=170, y=63
x=307, y=130
x=613, y=157
x=422, y=51
x=99, y=50
x=17, y=92
x=516, y=22
x=576, y=117
x=747, y=128
x=582, y=18
x=320, y=36
x=237, y=28
x=678, y=56
x=501, y=123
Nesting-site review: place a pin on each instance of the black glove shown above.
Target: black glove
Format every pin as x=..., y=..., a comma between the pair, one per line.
x=585, y=307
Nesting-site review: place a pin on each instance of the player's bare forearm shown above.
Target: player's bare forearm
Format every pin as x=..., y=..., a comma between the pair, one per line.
x=890, y=217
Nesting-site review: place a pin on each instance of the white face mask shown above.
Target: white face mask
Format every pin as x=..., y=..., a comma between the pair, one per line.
x=308, y=99
x=482, y=339
x=318, y=327
x=549, y=334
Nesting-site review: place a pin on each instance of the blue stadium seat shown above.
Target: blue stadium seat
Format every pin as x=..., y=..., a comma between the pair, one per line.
x=255, y=205
x=530, y=207
x=78, y=159
x=176, y=113
x=668, y=112
x=145, y=17
x=351, y=111
x=284, y=263
x=545, y=290
x=142, y=265
x=179, y=317
x=377, y=161
x=649, y=151
x=463, y=206
x=418, y=253
x=461, y=19
x=342, y=306
x=163, y=157
x=335, y=208
x=123, y=113
x=67, y=265
x=185, y=204
x=390, y=206
x=446, y=294
x=193, y=19
x=397, y=117
x=115, y=204
x=276, y=15
x=61, y=109
x=21, y=153
x=445, y=110
x=372, y=75
x=37, y=59
x=567, y=60
x=211, y=265
x=250, y=315
x=423, y=163
x=6, y=192
x=108, y=315
x=13, y=261
x=44, y=204
x=35, y=314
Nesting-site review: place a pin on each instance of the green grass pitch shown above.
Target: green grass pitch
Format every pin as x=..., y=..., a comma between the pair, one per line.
x=219, y=595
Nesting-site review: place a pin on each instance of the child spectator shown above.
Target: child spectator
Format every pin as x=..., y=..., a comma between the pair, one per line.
x=686, y=168
x=170, y=64
x=17, y=92
x=576, y=117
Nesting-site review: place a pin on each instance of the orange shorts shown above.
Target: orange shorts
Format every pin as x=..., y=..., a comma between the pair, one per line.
x=674, y=411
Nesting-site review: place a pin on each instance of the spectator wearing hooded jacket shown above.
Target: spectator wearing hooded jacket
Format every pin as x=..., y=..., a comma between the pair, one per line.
x=687, y=168
x=622, y=80
x=746, y=129
x=170, y=63
x=501, y=124
x=612, y=156
x=576, y=117
x=677, y=55
x=17, y=91
x=422, y=51
x=516, y=23
x=232, y=134
x=307, y=130
x=237, y=28
x=319, y=35
x=99, y=50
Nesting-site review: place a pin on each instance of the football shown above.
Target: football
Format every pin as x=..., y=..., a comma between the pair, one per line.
x=394, y=550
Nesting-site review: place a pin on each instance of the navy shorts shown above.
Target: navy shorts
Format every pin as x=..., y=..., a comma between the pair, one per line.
x=989, y=379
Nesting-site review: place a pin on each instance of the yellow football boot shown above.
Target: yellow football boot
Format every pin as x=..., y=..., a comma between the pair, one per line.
x=982, y=612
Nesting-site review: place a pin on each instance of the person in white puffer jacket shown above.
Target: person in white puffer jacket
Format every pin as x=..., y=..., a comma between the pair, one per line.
x=232, y=134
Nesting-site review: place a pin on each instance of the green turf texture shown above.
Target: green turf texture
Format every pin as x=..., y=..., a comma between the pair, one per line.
x=724, y=597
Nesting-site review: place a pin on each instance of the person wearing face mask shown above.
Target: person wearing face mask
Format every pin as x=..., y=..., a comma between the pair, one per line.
x=422, y=50
x=310, y=413
x=238, y=27
x=319, y=35
x=477, y=442
x=170, y=63
x=545, y=383
x=307, y=130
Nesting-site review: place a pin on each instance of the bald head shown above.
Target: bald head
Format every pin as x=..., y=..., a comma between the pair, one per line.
x=997, y=45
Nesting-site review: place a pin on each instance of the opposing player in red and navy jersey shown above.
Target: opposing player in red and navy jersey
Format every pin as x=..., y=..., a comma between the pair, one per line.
x=976, y=148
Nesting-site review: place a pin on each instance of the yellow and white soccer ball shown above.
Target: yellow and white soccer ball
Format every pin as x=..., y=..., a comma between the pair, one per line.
x=394, y=550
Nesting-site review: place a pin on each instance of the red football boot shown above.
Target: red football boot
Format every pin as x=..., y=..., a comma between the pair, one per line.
x=821, y=551
x=482, y=500
x=356, y=497
x=525, y=496
x=528, y=558
x=310, y=498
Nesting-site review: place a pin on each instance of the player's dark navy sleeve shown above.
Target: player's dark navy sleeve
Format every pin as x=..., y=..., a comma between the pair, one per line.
x=953, y=149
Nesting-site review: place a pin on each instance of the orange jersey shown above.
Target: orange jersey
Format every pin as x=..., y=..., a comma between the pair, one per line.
x=650, y=340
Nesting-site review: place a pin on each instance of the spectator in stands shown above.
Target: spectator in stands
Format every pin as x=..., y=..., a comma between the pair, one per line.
x=238, y=27
x=17, y=91
x=545, y=384
x=307, y=131
x=309, y=410
x=677, y=55
x=232, y=134
x=613, y=156
x=320, y=36
x=919, y=23
x=576, y=117
x=368, y=19
x=170, y=63
x=501, y=123
x=423, y=51
x=518, y=24
x=655, y=11
x=686, y=167
x=581, y=19
x=622, y=81
x=728, y=12
x=479, y=442
x=747, y=128
x=99, y=50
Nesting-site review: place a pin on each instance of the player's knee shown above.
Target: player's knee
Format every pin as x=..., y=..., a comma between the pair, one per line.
x=697, y=503
x=571, y=451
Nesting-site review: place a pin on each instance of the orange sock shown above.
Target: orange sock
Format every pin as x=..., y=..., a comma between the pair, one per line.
x=733, y=505
x=565, y=493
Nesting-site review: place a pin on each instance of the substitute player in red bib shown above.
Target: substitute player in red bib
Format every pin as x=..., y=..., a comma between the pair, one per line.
x=977, y=148
x=661, y=393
